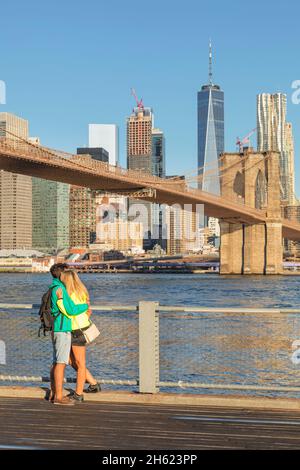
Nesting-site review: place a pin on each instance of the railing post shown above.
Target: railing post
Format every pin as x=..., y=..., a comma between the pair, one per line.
x=148, y=347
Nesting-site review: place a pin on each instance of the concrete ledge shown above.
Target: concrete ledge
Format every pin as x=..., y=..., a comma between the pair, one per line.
x=284, y=404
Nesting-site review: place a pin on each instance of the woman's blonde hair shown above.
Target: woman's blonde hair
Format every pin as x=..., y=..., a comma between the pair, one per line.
x=73, y=284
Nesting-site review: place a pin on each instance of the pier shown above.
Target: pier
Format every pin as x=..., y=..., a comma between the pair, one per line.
x=122, y=421
x=158, y=393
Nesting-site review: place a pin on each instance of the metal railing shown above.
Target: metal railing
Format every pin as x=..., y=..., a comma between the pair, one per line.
x=168, y=347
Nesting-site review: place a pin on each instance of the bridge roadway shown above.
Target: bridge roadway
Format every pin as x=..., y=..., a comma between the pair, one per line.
x=31, y=423
x=28, y=159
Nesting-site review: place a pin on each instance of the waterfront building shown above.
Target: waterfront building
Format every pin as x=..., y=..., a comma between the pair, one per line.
x=113, y=230
x=110, y=207
x=24, y=260
x=97, y=153
x=15, y=193
x=183, y=235
x=273, y=133
x=84, y=202
x=180, y=227
x=173, y=224
x=82, y=217
x=293, y=213
x=105, y=136
x=120, y=235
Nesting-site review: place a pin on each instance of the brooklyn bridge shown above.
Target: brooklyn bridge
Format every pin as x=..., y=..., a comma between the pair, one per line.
x=249, y=208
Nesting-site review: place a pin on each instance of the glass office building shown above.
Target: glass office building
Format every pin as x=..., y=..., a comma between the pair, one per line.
x=97, y=153
x=158, y=169
x=158, y=153
x=50, y=215
x=210, y=136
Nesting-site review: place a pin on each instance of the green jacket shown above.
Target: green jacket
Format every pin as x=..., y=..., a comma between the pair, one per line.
x=61, y=322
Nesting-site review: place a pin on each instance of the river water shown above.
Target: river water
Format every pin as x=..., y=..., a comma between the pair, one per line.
x=207, y=348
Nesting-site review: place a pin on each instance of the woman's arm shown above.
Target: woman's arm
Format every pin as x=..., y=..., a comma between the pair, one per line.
x=89, y=312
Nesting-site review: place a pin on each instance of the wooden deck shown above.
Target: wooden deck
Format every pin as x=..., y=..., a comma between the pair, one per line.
x=36, y=424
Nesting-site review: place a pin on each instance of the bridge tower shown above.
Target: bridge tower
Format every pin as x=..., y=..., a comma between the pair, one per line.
x=252, y=178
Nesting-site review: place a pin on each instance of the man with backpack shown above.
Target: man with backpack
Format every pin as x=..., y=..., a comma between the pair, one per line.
x=61, y=304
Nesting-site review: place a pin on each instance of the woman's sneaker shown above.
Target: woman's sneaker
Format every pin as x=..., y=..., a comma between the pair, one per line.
x=75, y=397
x=93, y=388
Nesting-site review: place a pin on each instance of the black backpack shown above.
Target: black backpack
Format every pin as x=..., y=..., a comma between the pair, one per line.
x=46, y=317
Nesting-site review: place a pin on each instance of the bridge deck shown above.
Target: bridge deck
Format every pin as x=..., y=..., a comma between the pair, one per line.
x=35, y=423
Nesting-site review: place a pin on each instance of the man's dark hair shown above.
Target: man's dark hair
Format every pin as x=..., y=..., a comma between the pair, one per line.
x=57, y=269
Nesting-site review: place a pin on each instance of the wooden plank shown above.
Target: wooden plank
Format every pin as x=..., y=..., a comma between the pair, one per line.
x=39, y=424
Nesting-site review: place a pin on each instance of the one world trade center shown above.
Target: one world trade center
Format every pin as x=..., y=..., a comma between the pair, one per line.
x=210, y=133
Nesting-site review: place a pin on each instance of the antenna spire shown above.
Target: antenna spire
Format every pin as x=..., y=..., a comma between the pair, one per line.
x=210, y=75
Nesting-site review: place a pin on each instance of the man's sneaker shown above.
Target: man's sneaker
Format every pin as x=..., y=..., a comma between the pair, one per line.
x=64, y=401
x=75, y=397
x=93, y=388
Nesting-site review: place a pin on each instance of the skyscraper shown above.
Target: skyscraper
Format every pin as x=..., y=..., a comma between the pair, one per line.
x=158, y=153
x=83, y=203
x=107, y=137
x=291, y=163
x=158, y=169
x=139, y=158
x=82, y=217
x=146, y=153
x=50, y=215
x=15, y=193
x=210, y=132
x=97, y=153
x=139, y=140
x=273, y=133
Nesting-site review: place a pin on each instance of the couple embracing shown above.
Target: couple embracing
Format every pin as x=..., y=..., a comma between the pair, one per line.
x=70, y=308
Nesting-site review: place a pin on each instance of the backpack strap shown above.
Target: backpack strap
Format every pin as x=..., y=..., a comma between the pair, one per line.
x=42, y=326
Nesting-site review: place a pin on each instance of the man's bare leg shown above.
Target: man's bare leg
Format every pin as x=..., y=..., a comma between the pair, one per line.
x=59, y=372
x=52, y=384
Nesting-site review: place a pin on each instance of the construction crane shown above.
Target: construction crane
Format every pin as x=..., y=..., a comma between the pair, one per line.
x=139, y=103
x=246, y=140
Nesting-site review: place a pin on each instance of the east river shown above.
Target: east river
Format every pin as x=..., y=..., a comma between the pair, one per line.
x=204, y=348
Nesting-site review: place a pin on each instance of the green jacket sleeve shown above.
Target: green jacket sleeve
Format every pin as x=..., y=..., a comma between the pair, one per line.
x=79, y=308
x=67, y=306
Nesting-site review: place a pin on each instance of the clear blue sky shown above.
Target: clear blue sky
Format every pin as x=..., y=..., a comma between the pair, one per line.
x=68, y=63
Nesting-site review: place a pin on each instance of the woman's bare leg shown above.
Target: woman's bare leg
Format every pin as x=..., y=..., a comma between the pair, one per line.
x=90, y=379
x=79, y=357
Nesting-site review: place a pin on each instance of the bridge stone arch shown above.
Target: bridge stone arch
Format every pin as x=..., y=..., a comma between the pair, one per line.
x=252, y=178
x=239, y=185
x=261, y=190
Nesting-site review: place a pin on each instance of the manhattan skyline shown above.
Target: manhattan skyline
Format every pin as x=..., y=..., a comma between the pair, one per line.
x=49, y=84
